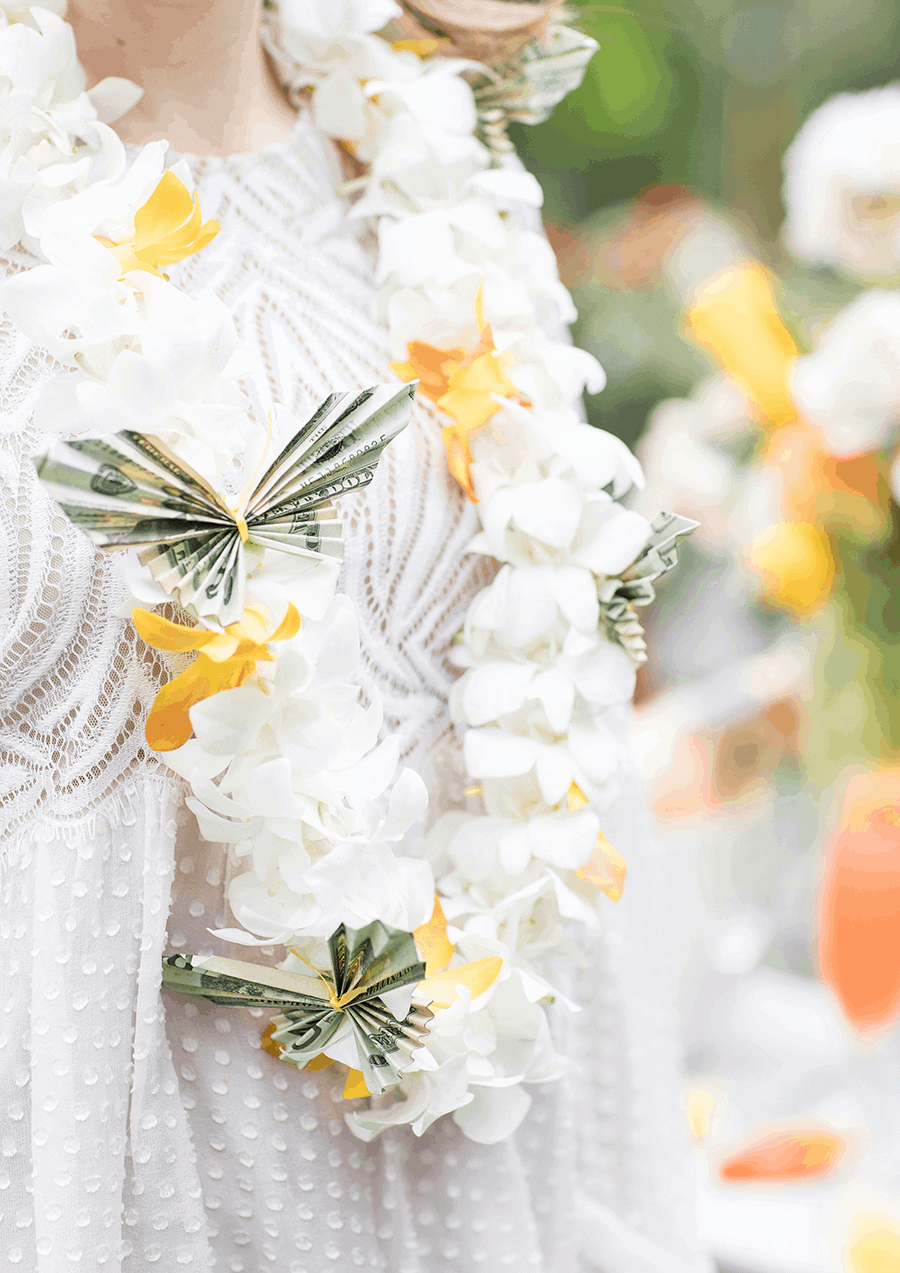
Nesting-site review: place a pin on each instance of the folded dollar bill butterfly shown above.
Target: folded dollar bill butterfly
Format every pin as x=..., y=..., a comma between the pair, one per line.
x=130, y=490
x=366, y=963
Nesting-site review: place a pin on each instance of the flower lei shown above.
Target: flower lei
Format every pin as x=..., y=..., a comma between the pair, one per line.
x=282, y=760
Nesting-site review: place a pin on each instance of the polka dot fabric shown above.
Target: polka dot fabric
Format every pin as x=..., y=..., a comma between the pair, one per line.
x=143, y=1131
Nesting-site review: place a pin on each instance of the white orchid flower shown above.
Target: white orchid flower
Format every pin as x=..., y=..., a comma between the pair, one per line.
x=842, y=184
x=849, y=387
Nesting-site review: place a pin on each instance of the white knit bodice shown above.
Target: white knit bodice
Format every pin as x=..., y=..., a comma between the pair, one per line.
x=139, y=1131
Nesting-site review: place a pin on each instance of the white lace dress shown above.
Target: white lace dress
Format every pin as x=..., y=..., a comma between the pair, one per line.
x=139, y=1130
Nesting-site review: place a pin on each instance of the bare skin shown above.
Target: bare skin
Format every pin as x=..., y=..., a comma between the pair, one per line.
x=208, y=86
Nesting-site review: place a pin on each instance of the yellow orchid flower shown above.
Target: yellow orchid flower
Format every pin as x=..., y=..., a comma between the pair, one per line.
x=225, y=661
x=462, y=383
x=167, y=228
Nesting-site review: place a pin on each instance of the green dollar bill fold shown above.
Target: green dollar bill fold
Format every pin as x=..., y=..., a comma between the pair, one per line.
x=366, y=963
x=620, y=596
x=129, y=490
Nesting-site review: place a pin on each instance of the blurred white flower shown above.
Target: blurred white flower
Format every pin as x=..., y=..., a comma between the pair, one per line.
x=686, y=472
x=842, y=183
x=849, y=387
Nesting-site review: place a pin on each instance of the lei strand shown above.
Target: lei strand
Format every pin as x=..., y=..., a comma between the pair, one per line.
x=282, y=760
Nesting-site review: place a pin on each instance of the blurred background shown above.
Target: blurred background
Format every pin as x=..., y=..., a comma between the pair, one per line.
x=767, y=716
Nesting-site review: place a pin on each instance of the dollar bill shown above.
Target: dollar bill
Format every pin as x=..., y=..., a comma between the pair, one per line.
x=531, y=84
x=365, y=963
x=634, y=586
x=130, y=490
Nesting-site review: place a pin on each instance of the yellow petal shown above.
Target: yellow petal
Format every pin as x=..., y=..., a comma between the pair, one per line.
x=320, y=1062
x=168, y=207
x=479, y=307
x=422, y=48
x=222, y=646
x=289, y=625
x=575, y=798
x=168, y=723
x=168, y=226
x=700, y=1105
x=796, y=566
x=469, y=410
x=162, y=634
x=477, y=976
x=873, y=1244
x=432, y=940
x=459, y=457
x=605, y=870
x=737, y=319
x=268, y=1044
x=355, y=1085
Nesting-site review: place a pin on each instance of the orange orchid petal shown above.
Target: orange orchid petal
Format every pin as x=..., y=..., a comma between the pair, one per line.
x=355, y=1085
x=168, y=722
x=789, y=1154
x=432, y=941
x=227, y=660
x=268, y=1044
x=430, y=366
x=859, y=916
x=477, y=976
x=605, y=870
x=162, y=634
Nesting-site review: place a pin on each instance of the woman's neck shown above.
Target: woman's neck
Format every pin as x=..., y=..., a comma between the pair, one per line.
x=208, y=87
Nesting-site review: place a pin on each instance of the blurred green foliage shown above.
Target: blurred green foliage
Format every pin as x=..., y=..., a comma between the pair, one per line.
x=705, y=94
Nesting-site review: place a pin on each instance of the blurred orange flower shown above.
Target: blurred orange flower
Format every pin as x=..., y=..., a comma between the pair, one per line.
x=859, y=905
x=792, y=1153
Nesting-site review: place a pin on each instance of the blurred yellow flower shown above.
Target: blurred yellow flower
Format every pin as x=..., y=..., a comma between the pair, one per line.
x=795, y=564
x=605, y=870
x=167, y=228
x=873, y=1244
x=735, y=317
x=225, y=661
